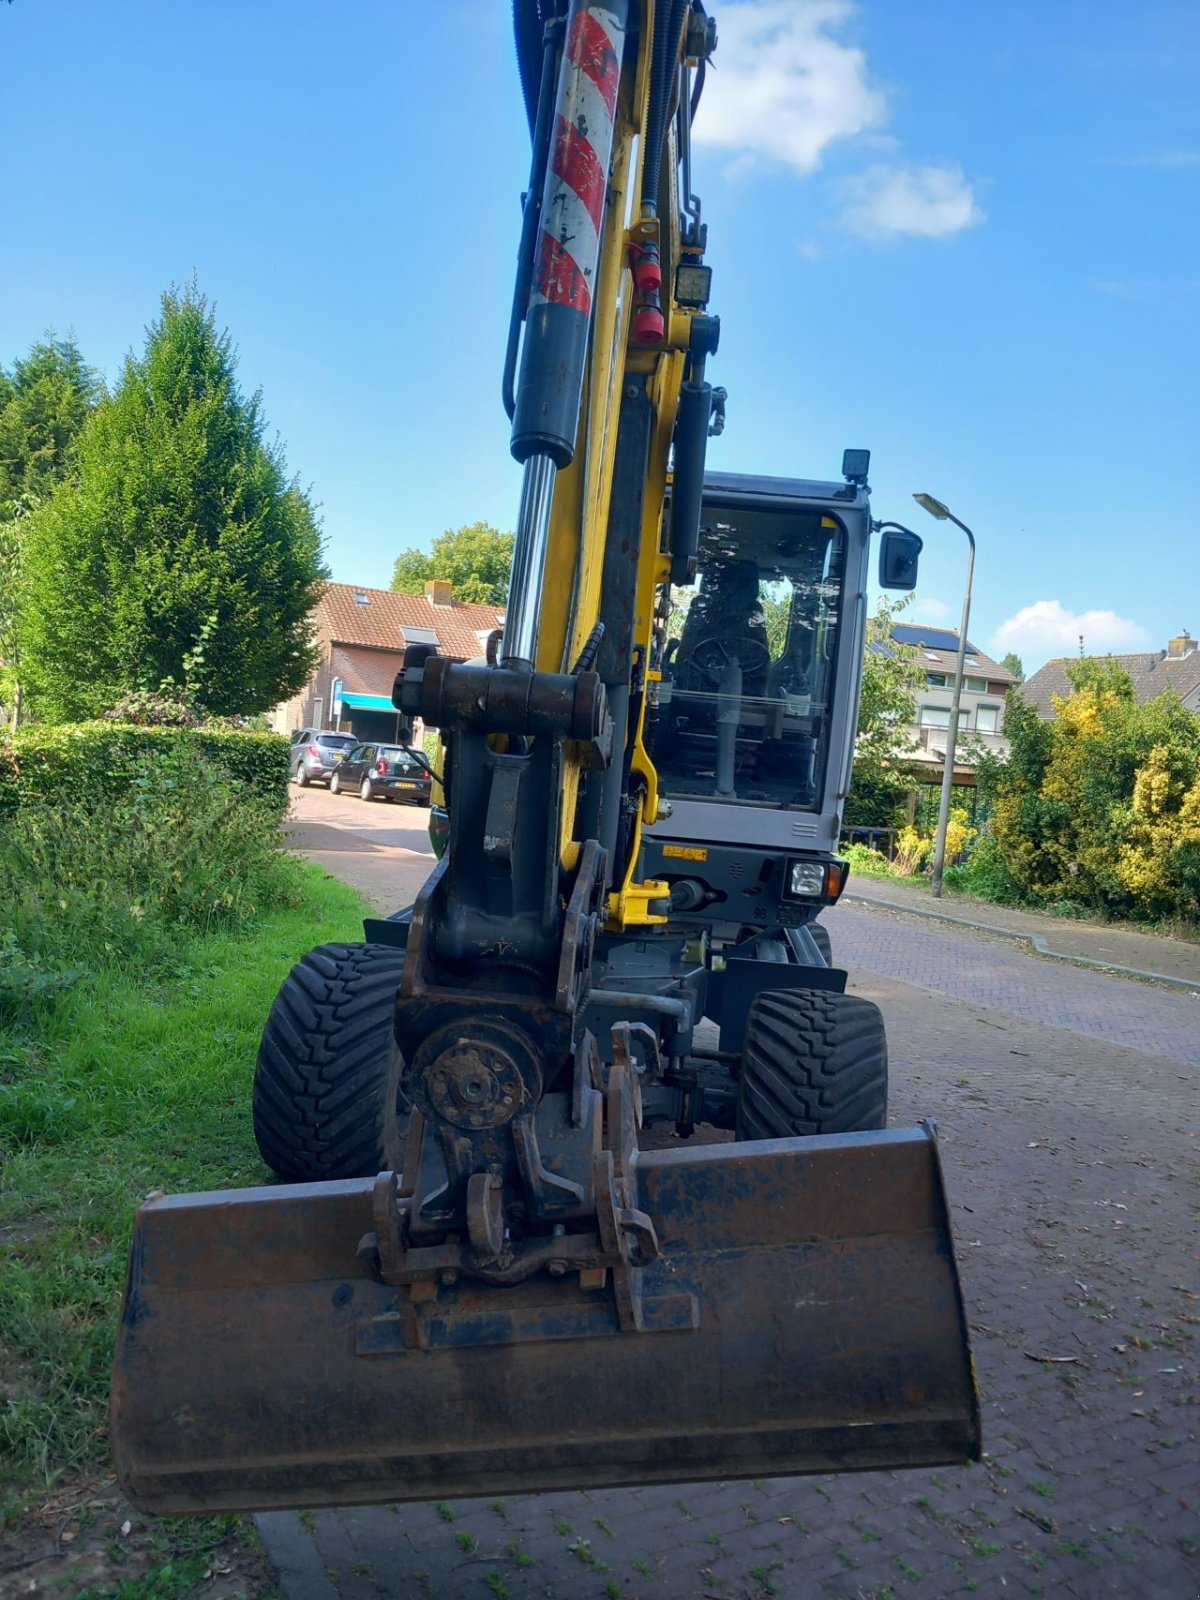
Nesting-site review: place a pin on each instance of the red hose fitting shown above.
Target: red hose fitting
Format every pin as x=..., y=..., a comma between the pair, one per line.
x=647, y=274
x=649, y=326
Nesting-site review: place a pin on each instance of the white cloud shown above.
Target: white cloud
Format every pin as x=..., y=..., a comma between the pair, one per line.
x=786, y=85
x=927, y=607
x=1165, y=160
x=1049, y=628
x=1146, y=289
x=783, y=86
x=886, y=201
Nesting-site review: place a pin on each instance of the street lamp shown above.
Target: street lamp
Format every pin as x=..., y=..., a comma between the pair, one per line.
x=943, y=513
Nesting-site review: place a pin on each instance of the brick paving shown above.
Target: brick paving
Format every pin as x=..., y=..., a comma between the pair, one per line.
x=992, y=972
x=1111, y=944
x=1068, y=1113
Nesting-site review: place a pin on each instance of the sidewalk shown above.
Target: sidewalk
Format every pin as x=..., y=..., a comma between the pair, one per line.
x=389, y=876
x=1148, y=954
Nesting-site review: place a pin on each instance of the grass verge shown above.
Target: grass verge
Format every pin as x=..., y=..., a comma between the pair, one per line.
x=127, y=1082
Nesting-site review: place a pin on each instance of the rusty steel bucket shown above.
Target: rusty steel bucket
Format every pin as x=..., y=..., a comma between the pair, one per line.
x=804, y=1315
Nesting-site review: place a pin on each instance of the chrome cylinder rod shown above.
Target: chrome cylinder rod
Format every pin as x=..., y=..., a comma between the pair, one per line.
x=523, y=611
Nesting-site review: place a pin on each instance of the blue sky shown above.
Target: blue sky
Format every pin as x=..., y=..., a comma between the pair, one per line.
x=967, y=237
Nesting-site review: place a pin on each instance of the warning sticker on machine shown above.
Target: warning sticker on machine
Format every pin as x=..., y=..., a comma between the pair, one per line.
x=685, y=852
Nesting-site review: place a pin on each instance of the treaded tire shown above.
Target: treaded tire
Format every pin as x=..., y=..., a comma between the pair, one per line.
x=820, y=934
x=300, y=775
x=327, y=1084
x=814, y=1062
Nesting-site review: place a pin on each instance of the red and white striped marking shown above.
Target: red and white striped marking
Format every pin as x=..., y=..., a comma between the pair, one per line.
x=577, y=177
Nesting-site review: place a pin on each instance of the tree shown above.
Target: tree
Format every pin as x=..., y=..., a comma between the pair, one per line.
x=182, y=552
x=44, y=401
x=1013, y=663
x=891, y=677
x=1101, y=807
x=476, y=559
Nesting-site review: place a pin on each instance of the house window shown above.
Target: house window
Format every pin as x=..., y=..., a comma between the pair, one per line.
x=935, y=716
x=975, y=685
x=419, y=635
x=362, y=600
x=987, y=719
x=936, y=680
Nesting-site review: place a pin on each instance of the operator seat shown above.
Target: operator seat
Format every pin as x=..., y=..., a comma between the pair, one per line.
x=725, y=618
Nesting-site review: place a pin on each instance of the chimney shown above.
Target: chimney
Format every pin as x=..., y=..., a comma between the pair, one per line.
x=1181, y=645
x=439, y=592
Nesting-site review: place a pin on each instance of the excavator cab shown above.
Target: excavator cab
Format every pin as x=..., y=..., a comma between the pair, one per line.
x=590, y=1175
x=757, y=686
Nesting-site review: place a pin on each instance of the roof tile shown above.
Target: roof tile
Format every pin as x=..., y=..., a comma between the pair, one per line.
x=380, y=622
x=1152, y=671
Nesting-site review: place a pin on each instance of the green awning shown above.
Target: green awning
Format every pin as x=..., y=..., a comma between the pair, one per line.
x=369, y=702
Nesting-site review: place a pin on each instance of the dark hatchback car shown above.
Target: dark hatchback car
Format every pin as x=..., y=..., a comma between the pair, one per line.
x=315, y=753
x=384, y=772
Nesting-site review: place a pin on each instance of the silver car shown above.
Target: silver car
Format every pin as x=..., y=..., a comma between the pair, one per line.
x=315, y=753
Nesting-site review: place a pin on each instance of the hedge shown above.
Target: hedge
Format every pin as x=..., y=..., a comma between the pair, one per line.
x=99, y=760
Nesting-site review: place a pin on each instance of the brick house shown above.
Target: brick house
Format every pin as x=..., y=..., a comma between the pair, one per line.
x=361, y=636
x=981, y=708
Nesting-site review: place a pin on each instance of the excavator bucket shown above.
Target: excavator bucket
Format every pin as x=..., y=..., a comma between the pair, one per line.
x=803, y=1315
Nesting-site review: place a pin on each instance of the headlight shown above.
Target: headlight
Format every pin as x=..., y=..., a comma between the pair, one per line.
x=806, y=880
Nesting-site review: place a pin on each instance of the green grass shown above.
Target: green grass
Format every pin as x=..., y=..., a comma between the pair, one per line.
x=122, y=1085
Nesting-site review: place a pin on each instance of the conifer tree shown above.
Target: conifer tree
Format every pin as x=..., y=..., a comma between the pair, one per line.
x=181, y=551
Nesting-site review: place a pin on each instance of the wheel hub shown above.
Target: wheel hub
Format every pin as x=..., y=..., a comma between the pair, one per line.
x=477, y=1079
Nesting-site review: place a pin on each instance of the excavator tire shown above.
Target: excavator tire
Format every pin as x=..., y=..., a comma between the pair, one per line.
x=814, y=1062
x=327, y=1100
x=820, y=935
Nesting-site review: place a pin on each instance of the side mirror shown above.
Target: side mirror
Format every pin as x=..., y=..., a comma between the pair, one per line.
x=899, y=551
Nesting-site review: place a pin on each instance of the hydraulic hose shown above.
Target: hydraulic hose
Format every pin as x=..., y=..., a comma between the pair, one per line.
x=668, y=27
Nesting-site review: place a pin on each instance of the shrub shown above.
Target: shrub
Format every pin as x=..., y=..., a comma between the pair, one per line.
x=87, y=880
x=101, y=761
x=985, y=873
x=911, y=850
x=1101, y=807
x=959, y=834
x=26, y=979
x=164, y=707
x=870, y=863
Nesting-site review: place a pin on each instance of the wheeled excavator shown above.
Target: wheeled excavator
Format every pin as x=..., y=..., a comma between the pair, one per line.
x=591, y=1182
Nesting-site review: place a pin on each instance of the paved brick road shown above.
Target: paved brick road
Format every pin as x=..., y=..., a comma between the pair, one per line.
x=994, y=973
x=1068, y=1114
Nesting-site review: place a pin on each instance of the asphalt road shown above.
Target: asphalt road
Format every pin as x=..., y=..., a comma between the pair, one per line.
x=1067, y=1107
x=379, y=846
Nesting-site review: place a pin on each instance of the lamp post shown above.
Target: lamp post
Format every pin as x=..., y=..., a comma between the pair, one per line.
x=943, y=513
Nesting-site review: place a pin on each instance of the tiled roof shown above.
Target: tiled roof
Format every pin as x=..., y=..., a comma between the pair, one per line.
x=382, y=620
x=937, y=651
x=1152, y=672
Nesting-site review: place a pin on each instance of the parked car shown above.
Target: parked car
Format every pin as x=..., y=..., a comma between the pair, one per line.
x=315, y=753
x=384, y=772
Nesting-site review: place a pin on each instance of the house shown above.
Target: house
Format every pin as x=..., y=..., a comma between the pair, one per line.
x=361, y=635
x=981, y=706
x=1153, y=671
